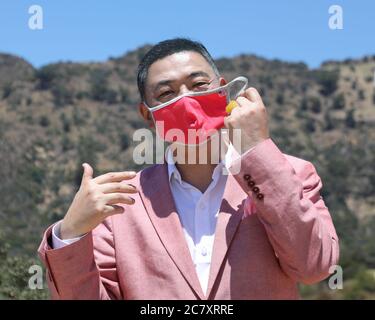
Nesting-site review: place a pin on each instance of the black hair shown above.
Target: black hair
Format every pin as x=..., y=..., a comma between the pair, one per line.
x=166, y=48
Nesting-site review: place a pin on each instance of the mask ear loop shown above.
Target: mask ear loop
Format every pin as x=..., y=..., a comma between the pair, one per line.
x=232, y=92
x=232, y=154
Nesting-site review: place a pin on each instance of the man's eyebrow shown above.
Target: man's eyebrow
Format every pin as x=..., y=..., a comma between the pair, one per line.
x=191, y=75
x=162, y=83
x=199, y=74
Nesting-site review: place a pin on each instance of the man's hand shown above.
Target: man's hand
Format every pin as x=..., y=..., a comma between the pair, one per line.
x=251, y=117
x=95, y=200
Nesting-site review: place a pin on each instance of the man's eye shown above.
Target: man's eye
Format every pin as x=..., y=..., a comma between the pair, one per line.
x=200, y=84
x=165, y=94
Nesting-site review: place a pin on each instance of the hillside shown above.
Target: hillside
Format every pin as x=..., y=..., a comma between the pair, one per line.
x=56, y=117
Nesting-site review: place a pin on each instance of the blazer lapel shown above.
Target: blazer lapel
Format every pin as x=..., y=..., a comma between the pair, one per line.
x=158, y=201
x=229, y=218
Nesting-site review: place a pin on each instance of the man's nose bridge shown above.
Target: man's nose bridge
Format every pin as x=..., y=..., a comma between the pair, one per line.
x=183, y=89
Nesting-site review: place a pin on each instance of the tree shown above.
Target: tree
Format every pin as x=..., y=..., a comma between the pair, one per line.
x=339, y=102
x=65, y=122
x=310, y=125
x=99, y=87
x=316, y=105
x=100, y=92
x=46, y=75
x=327, y=80
x=124, y=141
x=44, y=121
x=62, y=95
x=304, y=104
x=7, y=90
x=328, y=124
x=280, y=98
x=361, y=95
x=350, y=120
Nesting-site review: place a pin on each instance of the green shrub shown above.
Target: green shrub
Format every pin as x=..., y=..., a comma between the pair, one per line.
x=310, y=126
x=327, y=80
x=280, y=98
x=369, y=78
x=339, y=102
x=7, y=90
x=361, y=95
x=65, y=122
x=328, y=124
x=44, y=121
x=316, y=105
x=124, y=141
x=350, y=120
x=46, y=76
x=14, y=275
x=62, y=95
x=100, y=92
x=304, y=105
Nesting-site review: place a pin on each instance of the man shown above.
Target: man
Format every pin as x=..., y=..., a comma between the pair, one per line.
x=188, y=231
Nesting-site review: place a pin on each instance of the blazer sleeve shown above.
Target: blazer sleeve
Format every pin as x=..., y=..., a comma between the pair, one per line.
x=85, y=269
x=286, y=194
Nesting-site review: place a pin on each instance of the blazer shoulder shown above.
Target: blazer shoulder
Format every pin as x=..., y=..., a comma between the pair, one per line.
x=151, y=170
x=146, y=173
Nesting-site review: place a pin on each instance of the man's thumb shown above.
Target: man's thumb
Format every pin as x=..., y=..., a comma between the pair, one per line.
x=87, y=172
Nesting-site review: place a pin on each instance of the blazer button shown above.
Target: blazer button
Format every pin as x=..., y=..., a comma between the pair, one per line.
x=256, y=189
x=260, y=196
x=251, y=183
x=247, y=177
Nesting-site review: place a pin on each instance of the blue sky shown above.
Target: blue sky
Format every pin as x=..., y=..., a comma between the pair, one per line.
x=292, y=30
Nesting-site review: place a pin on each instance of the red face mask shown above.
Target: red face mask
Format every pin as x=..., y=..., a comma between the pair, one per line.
x=193, y=117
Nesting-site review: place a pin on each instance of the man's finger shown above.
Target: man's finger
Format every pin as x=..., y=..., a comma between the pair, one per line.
x=229, y=127
x=115, y=177
x=113, y=198
x=118, y=187
x=235, y=111
x=243, y=101
x=110, y=210
x=253, y=95
x=87, y=172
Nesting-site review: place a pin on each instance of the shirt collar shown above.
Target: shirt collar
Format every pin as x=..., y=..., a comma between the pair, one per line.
x=217, y=173
x=172, y=169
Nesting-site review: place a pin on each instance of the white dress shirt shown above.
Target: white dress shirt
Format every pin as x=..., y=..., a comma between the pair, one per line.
x=197, y=211
x=198, y=215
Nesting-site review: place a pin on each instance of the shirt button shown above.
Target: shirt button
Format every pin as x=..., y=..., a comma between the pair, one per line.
x=251, y=183
x=247, y=177
x=260, y=196
x=204, y=251
x=202, y=206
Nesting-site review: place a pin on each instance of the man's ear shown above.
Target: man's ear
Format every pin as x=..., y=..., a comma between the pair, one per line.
x=222, y=81
x=146, y=114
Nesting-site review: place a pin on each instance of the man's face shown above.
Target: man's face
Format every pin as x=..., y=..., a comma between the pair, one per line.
x=177, y=74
